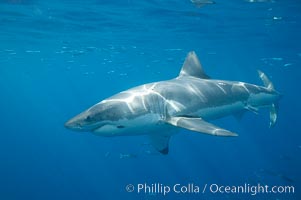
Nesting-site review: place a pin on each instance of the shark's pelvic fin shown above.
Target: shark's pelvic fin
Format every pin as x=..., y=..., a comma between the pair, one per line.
x=274, y=107
x=199, y=125
x=160, y=142
x=193, y=67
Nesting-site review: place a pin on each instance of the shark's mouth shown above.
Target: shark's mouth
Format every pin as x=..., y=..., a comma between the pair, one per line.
x=94, y=129
x=106, y=124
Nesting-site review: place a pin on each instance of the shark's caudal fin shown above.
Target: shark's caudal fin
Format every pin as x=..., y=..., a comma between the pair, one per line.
x=193, y=67
x=266, y=81
x=274, y=107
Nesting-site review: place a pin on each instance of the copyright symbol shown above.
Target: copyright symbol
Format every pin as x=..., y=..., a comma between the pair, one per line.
x=130, y=188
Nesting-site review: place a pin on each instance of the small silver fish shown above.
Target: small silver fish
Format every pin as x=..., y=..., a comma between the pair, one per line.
x=201, y=3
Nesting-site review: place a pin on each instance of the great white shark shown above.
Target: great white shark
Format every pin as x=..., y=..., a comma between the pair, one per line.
x=188, y=101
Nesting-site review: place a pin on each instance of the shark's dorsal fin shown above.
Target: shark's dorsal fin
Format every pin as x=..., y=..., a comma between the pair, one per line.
x=193, y=67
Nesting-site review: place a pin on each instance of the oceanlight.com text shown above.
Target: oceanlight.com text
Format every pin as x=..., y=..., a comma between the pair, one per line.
x=250, y=189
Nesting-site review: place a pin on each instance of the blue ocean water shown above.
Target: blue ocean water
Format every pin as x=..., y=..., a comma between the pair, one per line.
x=57, y=58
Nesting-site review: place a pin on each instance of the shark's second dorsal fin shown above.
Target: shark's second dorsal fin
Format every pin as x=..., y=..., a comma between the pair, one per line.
x=193, y=67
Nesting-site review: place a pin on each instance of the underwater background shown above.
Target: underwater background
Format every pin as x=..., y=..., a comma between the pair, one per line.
x=59, y=57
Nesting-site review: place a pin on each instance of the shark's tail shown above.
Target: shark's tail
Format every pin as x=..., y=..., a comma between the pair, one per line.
x=274, y=106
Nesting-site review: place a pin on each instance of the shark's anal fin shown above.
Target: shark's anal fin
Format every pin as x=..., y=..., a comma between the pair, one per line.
x=199, y=125
x=160, y=142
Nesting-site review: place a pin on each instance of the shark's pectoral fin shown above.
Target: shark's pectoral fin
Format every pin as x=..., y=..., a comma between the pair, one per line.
x=160, y=142
x=199, y=125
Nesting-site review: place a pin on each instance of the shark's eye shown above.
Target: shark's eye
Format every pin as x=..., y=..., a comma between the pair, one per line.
x=120, y=126
x=88, y=118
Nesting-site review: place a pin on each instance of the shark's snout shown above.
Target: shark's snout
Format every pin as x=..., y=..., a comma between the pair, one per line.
x=73, y=124
x=83, y=122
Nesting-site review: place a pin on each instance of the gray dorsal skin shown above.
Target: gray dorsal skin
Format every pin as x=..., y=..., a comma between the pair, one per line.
x=188, y=101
